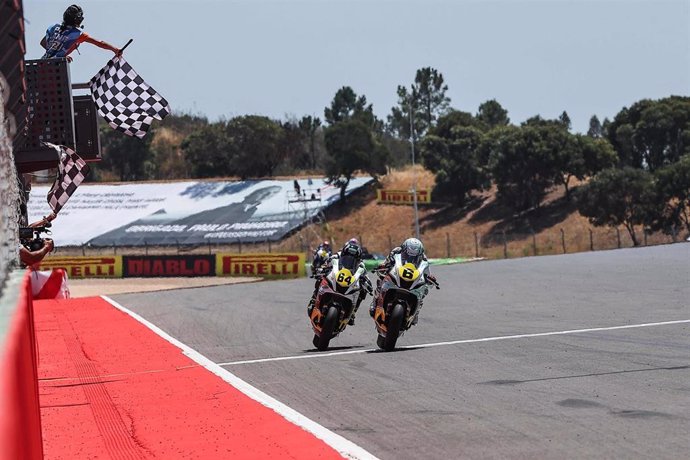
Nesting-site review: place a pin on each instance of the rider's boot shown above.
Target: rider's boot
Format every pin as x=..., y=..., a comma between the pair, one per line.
x=351, y=322
x=416, y=315
x=310, y=307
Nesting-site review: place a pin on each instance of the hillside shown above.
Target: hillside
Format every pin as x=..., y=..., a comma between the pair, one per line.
x=449, y=231
x=483, y=228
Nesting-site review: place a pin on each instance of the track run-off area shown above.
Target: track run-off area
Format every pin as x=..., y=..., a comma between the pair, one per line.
x=571, y=356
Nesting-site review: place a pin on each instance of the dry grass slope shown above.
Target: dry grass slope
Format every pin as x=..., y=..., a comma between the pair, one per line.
x=482, y=228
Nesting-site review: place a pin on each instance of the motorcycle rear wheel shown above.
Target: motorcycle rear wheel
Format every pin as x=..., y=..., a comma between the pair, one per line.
x=327, y=328
x=394, y=325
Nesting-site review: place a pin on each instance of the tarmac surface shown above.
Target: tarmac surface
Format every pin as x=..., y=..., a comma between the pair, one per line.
x=582, y=355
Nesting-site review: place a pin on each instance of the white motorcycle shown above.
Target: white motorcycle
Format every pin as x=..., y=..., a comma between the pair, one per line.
x=399, y=299
x=336, y=300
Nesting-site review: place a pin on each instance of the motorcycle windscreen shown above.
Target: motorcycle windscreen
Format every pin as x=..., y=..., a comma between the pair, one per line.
x=411, y=259
x=349, y=262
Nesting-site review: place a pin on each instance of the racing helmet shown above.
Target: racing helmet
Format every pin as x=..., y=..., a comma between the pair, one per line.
x=326, y=245
x=351, y=254
x=73, y=16
x=412, y=251
x=352, y=249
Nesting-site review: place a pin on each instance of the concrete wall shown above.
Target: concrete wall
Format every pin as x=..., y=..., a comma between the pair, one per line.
x=9, y=200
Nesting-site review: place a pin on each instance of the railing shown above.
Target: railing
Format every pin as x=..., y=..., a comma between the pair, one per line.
x=490, y=245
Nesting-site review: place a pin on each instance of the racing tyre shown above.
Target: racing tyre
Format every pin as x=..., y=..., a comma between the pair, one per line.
x=381, y=341
x=394, y=324
x=327, y=328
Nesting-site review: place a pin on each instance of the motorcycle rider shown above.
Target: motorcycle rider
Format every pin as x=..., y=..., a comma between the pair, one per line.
x=411, y=251
x=322, y=252
x=351, y=248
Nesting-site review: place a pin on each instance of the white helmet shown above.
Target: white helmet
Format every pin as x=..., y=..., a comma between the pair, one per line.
x=412, y=251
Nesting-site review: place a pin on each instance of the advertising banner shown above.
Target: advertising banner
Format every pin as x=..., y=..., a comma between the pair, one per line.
x=186, y=212
x=282, y=265
x=389, y=196
x=85, y=267
x=163, y=266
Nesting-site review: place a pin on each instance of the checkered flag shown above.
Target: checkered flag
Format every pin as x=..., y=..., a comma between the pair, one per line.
x=71, y=172
x=124, y=99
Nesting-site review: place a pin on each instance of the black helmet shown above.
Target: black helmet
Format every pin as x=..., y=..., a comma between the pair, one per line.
x=352, y=249
x=412, y=251
x=73, y=16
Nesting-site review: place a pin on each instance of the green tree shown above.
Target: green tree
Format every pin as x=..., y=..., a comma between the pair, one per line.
x=618, y=197
x=206, y=152
x=351, y=146
x=564, y=118
x=310, y=126
x=673, y=189
x=523, y=162
x=452, y=120
x=652, y=133
x=254, y=144
x=579, y=156
x=456, y=163
x=595, y=129
x=293, y=147
x=426, y=100
x=128, y=158
x=492, y=114
x=347, y=105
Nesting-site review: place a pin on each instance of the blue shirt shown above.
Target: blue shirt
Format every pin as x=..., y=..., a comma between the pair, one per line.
x=59, y=40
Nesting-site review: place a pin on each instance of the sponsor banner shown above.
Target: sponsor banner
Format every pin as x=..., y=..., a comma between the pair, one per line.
x=282, y=265
x=186, y=212
x=389, y=196
x=163, y=266
x=86, y=267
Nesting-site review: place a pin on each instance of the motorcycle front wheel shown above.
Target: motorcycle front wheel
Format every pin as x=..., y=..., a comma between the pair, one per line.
x=327, y=328
x=395, y=321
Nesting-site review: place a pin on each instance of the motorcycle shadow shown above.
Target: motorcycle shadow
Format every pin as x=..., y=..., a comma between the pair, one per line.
x=396, y=350
x=351, y=347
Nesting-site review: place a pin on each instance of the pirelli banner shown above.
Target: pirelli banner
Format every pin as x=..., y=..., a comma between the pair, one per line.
x=281, y=265
x=390, y=196
x=168, y=266
x=86, y=267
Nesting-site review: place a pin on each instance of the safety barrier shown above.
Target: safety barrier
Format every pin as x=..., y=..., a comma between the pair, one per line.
x=20, y=416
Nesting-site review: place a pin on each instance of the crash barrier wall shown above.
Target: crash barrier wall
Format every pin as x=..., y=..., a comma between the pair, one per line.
x=9, y=199
x=20, y=418
x=265, y=265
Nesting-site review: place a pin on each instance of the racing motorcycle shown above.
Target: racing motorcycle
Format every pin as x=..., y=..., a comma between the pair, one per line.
x=336, y=300
x=320, y=256
x=401, y=293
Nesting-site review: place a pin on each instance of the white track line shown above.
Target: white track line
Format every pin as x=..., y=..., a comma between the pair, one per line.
x=346, y=448
x=454, y=342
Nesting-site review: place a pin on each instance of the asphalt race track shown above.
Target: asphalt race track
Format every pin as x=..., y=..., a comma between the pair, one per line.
x=604, y=393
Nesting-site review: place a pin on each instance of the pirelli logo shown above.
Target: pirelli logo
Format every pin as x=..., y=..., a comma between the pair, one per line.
x=388, y=196
x=283, y=265
x=86, y=267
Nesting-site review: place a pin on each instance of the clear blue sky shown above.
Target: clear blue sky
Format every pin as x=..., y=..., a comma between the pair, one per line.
x=287, y=58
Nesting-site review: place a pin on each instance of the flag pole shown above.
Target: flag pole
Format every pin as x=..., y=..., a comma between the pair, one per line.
x=126, y=44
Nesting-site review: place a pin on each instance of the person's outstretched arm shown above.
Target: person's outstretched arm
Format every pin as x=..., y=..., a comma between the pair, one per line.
x=99, y=43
